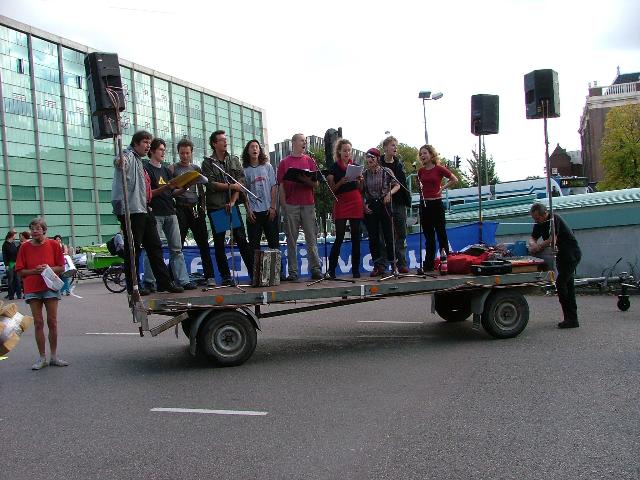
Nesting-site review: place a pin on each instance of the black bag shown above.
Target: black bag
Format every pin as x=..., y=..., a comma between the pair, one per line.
x=111, y=246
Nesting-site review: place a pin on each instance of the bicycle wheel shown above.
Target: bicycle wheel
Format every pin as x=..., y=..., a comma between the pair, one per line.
x=113, y=279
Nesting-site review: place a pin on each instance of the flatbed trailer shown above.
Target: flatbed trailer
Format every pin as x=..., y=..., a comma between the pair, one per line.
x=222, y=323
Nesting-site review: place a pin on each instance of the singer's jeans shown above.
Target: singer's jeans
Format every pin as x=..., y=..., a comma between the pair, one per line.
x=400, y=232
x=168, y=225
x=294, y=217
x=433, y=223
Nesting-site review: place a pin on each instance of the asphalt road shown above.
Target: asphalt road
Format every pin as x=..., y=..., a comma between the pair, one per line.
x=343, y=399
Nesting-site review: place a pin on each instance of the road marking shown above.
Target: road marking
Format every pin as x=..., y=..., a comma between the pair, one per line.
x=384, y=321
x=214, y=412
x=111, y=333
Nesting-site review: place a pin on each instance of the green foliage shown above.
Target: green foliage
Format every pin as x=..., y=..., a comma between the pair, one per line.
x=463, y=181
x=488, y=174
x=324, y=198
x=620, y=150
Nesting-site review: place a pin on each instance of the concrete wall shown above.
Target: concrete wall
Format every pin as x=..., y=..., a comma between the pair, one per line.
x=601, y=248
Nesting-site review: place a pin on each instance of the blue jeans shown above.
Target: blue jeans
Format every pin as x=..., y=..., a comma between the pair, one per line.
x=169, y=228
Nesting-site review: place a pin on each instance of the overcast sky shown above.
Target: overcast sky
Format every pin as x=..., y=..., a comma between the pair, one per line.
x=360, y=65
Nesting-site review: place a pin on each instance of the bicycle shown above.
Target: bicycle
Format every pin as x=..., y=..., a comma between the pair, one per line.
x=114, y=279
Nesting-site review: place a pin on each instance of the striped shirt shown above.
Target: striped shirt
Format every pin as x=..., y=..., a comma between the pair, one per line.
x=378, y=183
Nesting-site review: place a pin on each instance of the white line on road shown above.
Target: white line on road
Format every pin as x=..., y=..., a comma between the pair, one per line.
x=111, y=333
x=384, y=321
x=214, y=412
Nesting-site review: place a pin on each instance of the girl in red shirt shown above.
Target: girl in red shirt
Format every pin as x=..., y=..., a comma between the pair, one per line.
x=33, y=258
x=432, y=208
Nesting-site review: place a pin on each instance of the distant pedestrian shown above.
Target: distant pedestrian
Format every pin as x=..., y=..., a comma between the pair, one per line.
x=34, y=257
x=66, y=289
x=9, y=256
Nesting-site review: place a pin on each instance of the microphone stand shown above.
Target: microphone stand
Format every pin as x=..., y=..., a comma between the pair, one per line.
x=394, y=270
x=229, y=179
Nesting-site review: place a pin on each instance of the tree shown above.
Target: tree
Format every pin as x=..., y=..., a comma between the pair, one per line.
x=488, y=174
x=324, y=199
x=620, y=150
x=463, y=181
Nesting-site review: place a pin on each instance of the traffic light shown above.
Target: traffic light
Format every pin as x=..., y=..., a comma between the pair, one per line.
x=456, y=159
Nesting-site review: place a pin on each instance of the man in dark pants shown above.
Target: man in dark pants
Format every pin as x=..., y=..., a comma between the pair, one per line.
x=9, y=255
x=221, y=193
x=143, y=223
x=567, y=259
x=191, y=209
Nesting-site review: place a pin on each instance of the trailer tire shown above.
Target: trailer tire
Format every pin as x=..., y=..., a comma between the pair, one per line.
x=227, y=338
x=186, y=326
x=505, y=314
x=453, y=306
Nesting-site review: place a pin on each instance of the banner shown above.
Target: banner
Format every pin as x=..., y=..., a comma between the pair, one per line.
x=459, y=237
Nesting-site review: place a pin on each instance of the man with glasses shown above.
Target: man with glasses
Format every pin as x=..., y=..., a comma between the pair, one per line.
x=164, y=211
x=298, y=205
x=379, y=186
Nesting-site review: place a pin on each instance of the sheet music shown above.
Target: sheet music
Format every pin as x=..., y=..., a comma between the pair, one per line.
x=353, y=172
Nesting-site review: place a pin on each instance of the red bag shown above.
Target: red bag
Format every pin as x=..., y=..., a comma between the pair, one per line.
x=460, y=263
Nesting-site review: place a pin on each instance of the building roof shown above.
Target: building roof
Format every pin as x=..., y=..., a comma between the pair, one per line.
x=627, y=78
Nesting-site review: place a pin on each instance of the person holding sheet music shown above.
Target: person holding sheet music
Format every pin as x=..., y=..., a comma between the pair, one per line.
x=348, y=207
x=222, y=196
x=432, y=212
x=297, y=201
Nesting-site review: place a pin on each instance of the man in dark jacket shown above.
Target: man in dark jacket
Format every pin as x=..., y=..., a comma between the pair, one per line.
x=567, y=258
x=9, y=255
x=401, y=200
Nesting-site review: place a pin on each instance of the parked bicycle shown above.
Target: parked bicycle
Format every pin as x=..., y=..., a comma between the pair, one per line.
x=113, y=278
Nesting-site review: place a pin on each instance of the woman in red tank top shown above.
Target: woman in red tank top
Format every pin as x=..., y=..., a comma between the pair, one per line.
x=432, y=209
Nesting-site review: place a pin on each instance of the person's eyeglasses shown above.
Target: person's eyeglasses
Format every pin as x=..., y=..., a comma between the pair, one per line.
x=371, y=156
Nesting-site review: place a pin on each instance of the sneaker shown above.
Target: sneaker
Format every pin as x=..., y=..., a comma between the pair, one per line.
x=149, y=286
x=377, y=271
x=171, y=288
x=293, y=277
x=40, y=364
x=317, y=275
x=567, y=324
x=211, y=282
x=189, y=286
x=403, y=270
x=144, y=291
x=330, y=274
x=228, y=282
x=58, y=362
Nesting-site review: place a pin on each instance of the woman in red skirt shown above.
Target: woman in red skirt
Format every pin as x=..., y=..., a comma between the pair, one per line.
x=348, y=207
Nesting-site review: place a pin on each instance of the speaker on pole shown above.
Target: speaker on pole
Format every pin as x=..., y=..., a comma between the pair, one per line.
x=541, y=87
x=103, y=72
x=484, y=114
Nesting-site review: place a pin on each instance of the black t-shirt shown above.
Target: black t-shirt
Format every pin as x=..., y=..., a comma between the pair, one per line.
x=401, y=197
x=162, y=205
x=567, y=244
x=338, y=174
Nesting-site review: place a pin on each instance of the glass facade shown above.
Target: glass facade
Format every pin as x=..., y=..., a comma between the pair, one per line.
x=51, y=166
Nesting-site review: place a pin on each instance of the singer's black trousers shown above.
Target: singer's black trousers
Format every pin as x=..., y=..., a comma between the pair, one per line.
x=433, y=223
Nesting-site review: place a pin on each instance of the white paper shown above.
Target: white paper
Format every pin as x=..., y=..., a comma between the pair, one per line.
x=353, y=172
x=51, y=279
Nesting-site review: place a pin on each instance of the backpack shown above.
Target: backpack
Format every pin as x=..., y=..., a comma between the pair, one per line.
x=111, y=246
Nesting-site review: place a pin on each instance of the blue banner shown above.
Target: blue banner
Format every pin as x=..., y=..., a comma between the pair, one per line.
x=459, y=237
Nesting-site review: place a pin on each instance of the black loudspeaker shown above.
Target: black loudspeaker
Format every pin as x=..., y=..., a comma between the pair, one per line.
x=104, y=125
x=484, y=114
x=541, y=88
x=103, y=70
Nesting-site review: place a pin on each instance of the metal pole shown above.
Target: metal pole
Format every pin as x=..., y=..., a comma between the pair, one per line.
x=552, y=235
x=478, y=174
x=424, y=114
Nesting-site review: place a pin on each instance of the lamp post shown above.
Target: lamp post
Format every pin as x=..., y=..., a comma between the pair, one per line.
x=426, y=95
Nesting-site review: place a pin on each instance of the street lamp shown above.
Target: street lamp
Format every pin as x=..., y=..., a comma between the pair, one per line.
x=426, y=95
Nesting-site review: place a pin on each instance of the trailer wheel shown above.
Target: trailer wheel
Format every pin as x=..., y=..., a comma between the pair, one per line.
x=506, y=314
x=227, y=338
x=624, y=303
x=453, y=306
x=186, y=326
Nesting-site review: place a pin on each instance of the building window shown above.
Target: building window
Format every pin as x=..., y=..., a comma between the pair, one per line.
x=23, y=192
x=55, y=194
x=104, y=195
x=82, y=195
x=78, y=81
x=20, y=65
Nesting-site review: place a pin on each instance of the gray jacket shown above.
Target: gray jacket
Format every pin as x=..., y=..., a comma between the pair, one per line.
x=136, y=186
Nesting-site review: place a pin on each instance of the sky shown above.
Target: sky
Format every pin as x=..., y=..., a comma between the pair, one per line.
x=314, y=65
